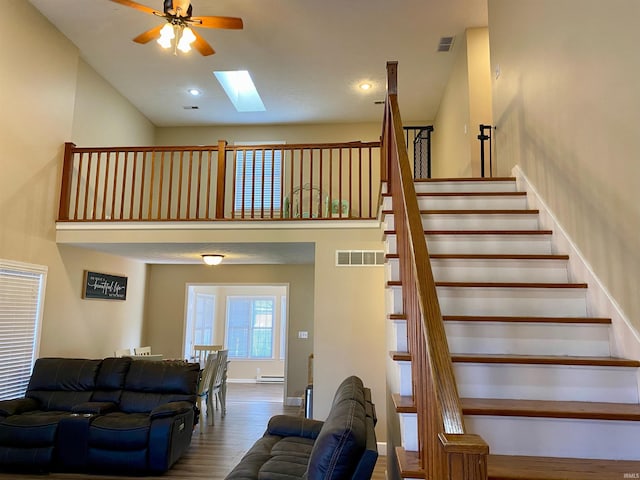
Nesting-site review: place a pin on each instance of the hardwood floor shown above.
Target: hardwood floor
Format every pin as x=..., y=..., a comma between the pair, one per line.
x=218, y=448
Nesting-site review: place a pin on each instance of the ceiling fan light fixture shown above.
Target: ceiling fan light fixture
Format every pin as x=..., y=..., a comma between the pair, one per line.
x=186, y=39
x=166, y=35
x=212, y=258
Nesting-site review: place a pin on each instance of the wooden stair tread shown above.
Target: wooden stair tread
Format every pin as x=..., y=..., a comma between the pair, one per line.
x=480, y=232
x=488, y=256
x=545, y=408
x=403, y=403
x=400, y=356
x=466, y=318
x=507, y=467
x=545, y=360
x=462, y=180
x=409, y=463
x=473, y=212
x=398, y=283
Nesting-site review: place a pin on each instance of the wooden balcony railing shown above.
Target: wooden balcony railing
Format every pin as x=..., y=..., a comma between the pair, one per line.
x=446, y=450
x=221, y=182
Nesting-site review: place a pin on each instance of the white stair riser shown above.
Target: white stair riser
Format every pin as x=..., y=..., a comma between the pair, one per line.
x=392, y=269
x=545, y=302
x=481, y=270
x=409, y=431
x=490, y=244
x=547, y=382
x=553, y=437
x=481, y=244
x=404, y=374
x=484, y=186
x=394, y=300
x=515, y=202
x=399, y=339
x=508, y=338
x=477, y=221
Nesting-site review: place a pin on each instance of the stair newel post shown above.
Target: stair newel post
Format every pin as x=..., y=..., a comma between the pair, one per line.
x=221, y=178
x=465, y=456
x=67, y=173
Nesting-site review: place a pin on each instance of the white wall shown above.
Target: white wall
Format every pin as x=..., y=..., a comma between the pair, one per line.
x=567, y=110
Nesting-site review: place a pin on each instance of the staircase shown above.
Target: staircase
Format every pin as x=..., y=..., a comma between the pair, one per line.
x=534, y=370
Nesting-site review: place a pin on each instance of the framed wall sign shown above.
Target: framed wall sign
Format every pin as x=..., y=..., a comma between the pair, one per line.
x=104, y=286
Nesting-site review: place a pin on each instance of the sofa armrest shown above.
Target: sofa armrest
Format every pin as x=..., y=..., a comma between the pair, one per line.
x=289, y=426
x=17, y=406
x=99, y=408
x=170, y=409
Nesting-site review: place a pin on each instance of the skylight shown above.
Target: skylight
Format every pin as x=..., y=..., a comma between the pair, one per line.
x=241, y=91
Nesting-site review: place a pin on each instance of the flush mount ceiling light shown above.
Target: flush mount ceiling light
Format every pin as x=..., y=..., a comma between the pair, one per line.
x=212, y=258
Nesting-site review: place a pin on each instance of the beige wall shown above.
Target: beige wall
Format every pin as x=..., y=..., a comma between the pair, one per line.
x=465, y=104
x=348, y=132
x=566, y=107
x=166, y=310
x=42, y=74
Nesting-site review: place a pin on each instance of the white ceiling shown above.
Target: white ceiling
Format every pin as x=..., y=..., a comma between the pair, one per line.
x=306, y=58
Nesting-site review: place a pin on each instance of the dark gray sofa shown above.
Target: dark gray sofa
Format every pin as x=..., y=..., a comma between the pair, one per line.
x=110, y=415
x=340, y=448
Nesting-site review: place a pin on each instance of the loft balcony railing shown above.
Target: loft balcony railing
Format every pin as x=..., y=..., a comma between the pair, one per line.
x=221, y=182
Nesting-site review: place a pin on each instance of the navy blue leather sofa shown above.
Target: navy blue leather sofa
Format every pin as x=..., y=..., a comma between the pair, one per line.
x=343, y=447
x=112, y=415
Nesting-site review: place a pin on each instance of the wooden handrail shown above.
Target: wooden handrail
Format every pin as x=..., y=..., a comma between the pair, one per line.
x=443, y=441
x=220, y=182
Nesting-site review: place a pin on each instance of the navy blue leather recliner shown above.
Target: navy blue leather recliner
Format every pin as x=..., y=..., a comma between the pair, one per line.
x=112, y=415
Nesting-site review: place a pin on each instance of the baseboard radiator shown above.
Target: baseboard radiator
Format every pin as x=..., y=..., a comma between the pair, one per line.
x=270, y=379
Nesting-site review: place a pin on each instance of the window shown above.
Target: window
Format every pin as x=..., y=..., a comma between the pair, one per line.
x=200, y=319
x=258, y=180
x=250, y=327
x=21, y=303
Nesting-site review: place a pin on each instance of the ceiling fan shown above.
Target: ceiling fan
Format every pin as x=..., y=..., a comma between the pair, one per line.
x=179, y=22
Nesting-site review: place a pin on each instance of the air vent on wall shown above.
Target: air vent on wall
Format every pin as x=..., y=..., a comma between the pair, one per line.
x=445, y=44
x=359, y=258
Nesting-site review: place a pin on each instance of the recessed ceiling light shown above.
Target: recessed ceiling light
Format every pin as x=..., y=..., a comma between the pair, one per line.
x=365, y=86
x=194, y=91
x=241, y=90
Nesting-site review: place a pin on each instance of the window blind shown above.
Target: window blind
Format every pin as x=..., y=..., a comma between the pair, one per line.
x=21, y=301
x=258, y=179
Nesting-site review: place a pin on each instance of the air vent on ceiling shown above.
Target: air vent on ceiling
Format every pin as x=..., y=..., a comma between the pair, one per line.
x=191, y=107
x=359, y=258
x=445, y=44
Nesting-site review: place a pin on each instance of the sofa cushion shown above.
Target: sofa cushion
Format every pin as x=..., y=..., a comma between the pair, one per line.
x=61, y=383
x=111, y=379
x=351, y=388
x=150, y=384
x=340, y=443
x=33, y=429
x=120, y=431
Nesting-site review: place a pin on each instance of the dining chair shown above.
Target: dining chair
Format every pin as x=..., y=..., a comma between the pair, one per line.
x=201, y=353
x=142, y=351
x=218, y=385
x=204, y=385
x=123, y=352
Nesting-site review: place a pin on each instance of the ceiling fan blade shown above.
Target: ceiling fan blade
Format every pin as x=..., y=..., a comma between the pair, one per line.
x=218, y=22
x=202, y=46
x=137, y=6
x=149, y=35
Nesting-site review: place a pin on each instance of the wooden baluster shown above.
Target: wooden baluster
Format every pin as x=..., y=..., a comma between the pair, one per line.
x=96, y=185
x=153, y=168
x=301, y=183
x=124, y=182
x=263, y=161
x=161, y=186
x=199, y=182
x=189, y=180
x=86, y=187
x=180, y=174
x=311, y=151
x=208, y=197
x=370, y=183
x=331, y=183
x=273, y=184
x=221, y=180
x=323, y=212
x=293, y=155
x=170, y=186
x=114, y=186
